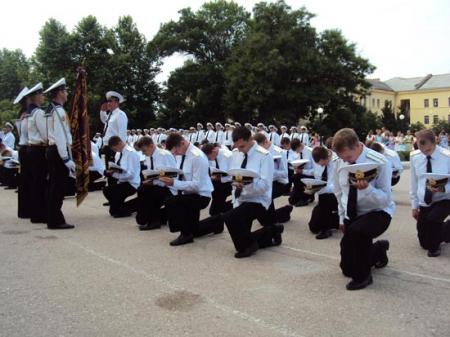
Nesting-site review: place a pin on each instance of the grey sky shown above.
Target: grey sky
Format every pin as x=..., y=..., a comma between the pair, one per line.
x=400, y=37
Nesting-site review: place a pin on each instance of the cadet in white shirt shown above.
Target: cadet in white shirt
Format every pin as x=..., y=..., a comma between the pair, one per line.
x=194, y=188
x=324, y=216
x=280, y=183
x=152, y=194
x=365, y=209
x=37, y=146
x=392, y=157
x=298, y=196
x=220, y=134
x=128, y=178
x=430, y=201
x=303, y=136
x=59, y=159
x=199, y=135
x=23, y=191
x=96, y=171
x=8, y=137
x=210, y=135
x=116, y=123
x=294, y=133
x=274, y=137
x=284, y=133
x=252, y=200
x=228, y=139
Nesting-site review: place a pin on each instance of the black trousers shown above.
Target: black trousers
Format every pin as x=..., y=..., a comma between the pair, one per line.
x=24, y=181
x=116, y=195
x=57, y=180
x=239, y=223
x=358, y=253
x=278, y=190
x=183, y=213
x=150, y=201
x=431, y=229
x=95, y=186
x=298, y=192
x=9, y=177
x=395, y=180
x=325, y=215
x=109, y=156
x=38, y=187
x=220, y=194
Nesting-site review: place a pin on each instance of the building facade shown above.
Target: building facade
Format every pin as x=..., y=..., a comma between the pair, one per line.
x=424, y=99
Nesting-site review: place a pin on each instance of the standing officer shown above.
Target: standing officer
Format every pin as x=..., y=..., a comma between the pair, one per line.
x=59, y=157
x=37, y=127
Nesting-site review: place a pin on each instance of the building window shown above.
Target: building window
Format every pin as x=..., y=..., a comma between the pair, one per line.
x=378, y=103
x=426, y=120
x=373, y=102
x=435, y=102
x=435, y=119
x=426, y=103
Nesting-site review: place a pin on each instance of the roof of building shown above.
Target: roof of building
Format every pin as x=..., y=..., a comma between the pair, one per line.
x=427, y=82
x=377, y=84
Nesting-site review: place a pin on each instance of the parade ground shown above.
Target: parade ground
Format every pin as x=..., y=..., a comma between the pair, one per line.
x=106, y=278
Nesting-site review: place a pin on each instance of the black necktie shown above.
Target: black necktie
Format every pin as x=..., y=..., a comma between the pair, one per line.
x=270, y=138
x=217, y=164
x=325, y=174
x=226, y=136
x=120, y=158
x=151, y=163
x=301, y=155
x=301, y=140
x=287, y=154
x=217, y=136
x=428, y=194
x=244, y=162
x=352, y=202
x=181, y=175
x=198, y=134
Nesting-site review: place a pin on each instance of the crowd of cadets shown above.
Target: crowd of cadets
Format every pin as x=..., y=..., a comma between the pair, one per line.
x=169, y=176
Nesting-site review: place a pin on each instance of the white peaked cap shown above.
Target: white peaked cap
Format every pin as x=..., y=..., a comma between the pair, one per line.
x=115, y=94
x=21, y=95
x=59, y=83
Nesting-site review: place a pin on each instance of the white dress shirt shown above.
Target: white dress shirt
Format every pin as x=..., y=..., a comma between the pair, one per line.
x=97, y=163
x=23, y=130
x=9, y=140
x=304, y=138
x=116, y=124
x=131, y=165
x=196, y=179
x=280, y=172
x=285, y=135
x=274, y=138
x=376, y=197
x=318, y=172
x=440, y=163
x=306, y=153
x=219, y=137
x=210, y=136
x=227, y=138
x=161, y=159
x=393, y=157
x=199, y=136
x=59, y=132
x=222, y=163
x=260, y=190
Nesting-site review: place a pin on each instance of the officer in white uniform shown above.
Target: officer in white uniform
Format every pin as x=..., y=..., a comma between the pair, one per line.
x=284, y=133
x=365, y=209
x=8, y=137
x=228, y=138
x=298, y=197
x=430, y=202
x=252, y=200
x=194, y=188
x=199, y=135
x=37, y=129
x=24, y=179
x=116, y=123
x=304, y=136
x=128, y=178
x=220, y=134
x=210, y=134
x=59, y=158
x=152, y=194
x=274, y=137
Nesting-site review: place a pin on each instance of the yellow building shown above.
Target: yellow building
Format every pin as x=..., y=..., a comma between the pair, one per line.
x=424, y=99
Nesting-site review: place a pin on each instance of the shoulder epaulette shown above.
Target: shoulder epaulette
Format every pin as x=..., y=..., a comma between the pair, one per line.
x=444, y=151
x=195, y=151
x=308, y=148
x=278, y=149
x=262, y=150
x=413, y=153
x=375, y=156
x=162, y=152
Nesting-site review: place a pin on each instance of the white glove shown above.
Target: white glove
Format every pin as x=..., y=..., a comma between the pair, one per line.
x=70, y=165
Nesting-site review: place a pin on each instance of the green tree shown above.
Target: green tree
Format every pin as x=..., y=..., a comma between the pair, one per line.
x=388, y=118
x=14, y=73
x=52, y=58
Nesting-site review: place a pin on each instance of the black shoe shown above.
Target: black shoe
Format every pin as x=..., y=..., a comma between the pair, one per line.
x=247, y=251
x=383, y=260
x=357, y=285
x=324, y=235
x=182, y=240
x=106, y=203
x=434, y=253
x=121, y=215
x=149, y=226
x=302, y=203
x=277, y=239
x=63, y=226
